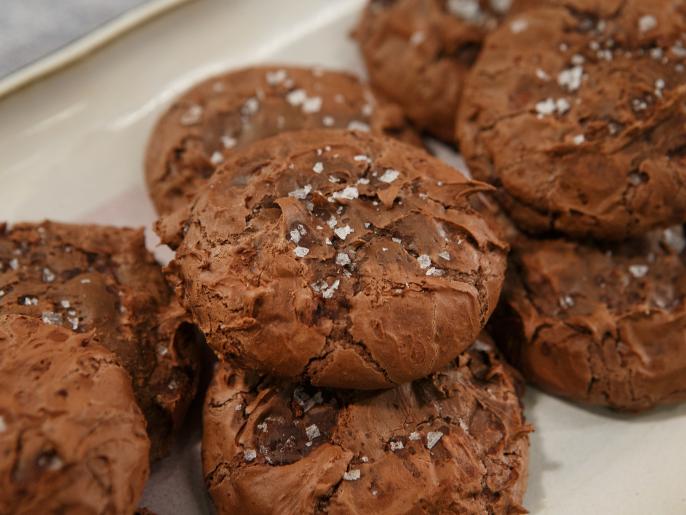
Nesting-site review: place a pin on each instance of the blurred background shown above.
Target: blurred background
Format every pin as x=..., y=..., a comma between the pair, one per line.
x=32, y=29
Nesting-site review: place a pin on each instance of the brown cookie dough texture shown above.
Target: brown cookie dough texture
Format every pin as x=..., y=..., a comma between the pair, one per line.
x=600, y=325
x=419, y=52
x=103, y=280
x=454, y=442
x=351, y=260
x=577, y=113
x=208, y=123
x=72, y=439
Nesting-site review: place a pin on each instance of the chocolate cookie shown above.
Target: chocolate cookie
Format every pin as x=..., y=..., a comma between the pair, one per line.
x=351, y=260
x=72, y=439
x=102, y=279
x=603, y=325
x=206, y=124
x=419, y=52
x=584, y=135
x=454, y=442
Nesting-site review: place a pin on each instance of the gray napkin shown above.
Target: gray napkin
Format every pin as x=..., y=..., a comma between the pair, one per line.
x=33, y=29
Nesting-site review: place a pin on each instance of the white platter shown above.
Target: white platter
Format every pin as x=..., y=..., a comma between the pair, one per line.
x=71, y=149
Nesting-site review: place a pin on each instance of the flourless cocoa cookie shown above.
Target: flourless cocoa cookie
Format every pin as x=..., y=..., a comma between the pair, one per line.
x=576, y=113
x=224, y=113
x=351, y=260
x=419, y=52
x=603, y=325
x=72, y=439
x=102, y=279
x=454, y=442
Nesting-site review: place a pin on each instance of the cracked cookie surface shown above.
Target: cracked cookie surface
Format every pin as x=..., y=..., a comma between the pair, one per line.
x=584, y=135
x=72, y=438
x=227, y=112
x=603, y=325
x=454, y=442
x=350, y=260
x=419, y=52
x=102, y=279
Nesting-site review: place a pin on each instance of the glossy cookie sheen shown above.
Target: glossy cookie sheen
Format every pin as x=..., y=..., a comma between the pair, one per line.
x=102, y=279
x=351, y=260
x=72, y=439
x=584, y=136
x=454, y=442
x=227, y=112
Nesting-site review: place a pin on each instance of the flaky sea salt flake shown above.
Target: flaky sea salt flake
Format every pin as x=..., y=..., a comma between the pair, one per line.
x=276, y=77
x=389, y=176
x=344, y=232
x=217, y=158
x=342, y=259
x=424, y=261
x=352, y=475
x=229, y=141
x=312, y=105
x=51, y=318
x=647, y=23
x=638, y=271
x=192, y=115
x=251, y=106
x=349, y=193
x=432, y=438
x=312, y=432
x=571, y=78
x=468, y=10
x=542, y=75
x=301, y=193
x=519, y=25
x=301, y=252
x=417, y=38
x=296, y=97
x=357, y=125
x=48, y=275
x=329, y=292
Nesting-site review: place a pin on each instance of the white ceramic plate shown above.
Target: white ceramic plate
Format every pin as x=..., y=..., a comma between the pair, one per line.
x=71, y=149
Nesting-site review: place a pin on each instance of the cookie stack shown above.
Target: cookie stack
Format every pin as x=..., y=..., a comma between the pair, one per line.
x=98, y=365
x=343, y=280
x=584, y=139
x=343, y=277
